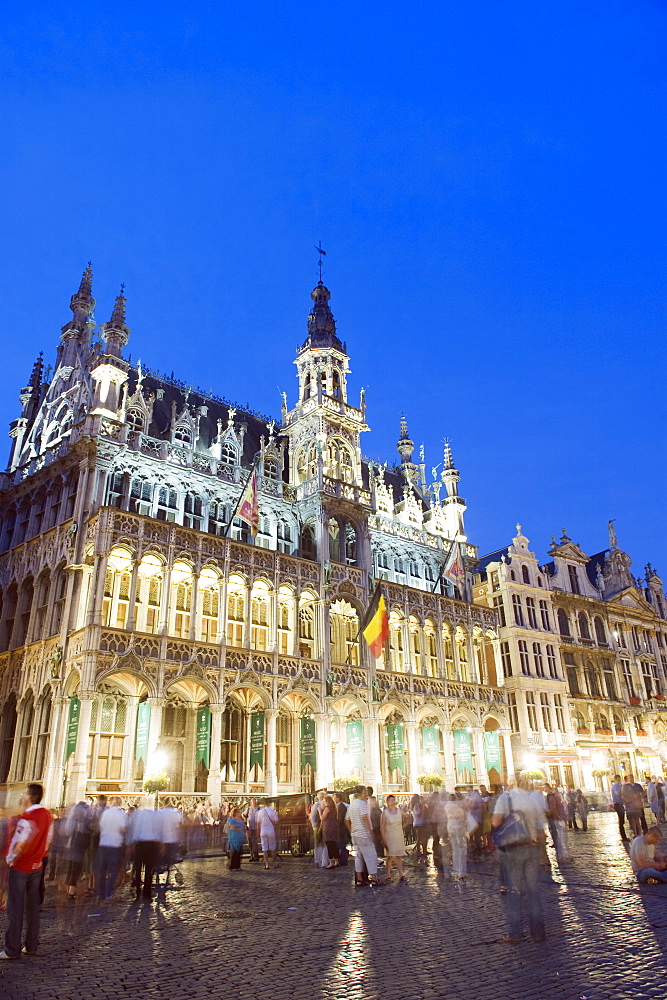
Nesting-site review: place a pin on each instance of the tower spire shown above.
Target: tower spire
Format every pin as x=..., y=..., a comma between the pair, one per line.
x=116, y=332
x=82, y=305
x=405, y=446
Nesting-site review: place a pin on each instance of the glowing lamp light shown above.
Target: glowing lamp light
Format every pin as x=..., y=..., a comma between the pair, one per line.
x=530, y=762
x=158, y=761
x=427, y=760
x=345, y=762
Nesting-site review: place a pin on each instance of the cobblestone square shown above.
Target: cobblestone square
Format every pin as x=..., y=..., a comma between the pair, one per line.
x=301, y=931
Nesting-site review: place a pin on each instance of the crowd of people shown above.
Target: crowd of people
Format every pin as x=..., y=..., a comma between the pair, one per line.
x=104, y=846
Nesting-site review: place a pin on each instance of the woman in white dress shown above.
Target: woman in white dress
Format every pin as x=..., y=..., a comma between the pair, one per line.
x=391, y=831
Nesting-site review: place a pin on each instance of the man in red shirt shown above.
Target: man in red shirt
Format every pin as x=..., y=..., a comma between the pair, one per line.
x=27, y=848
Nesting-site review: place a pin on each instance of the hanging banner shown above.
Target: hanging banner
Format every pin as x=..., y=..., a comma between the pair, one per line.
x=143, y=729
x=355, y=744
x=203, y=736
x=72, y=726
x=396, y=747
x=308, y=743
x=430, y=739
x=492, y=750
x=463, y=751
x=257, y=739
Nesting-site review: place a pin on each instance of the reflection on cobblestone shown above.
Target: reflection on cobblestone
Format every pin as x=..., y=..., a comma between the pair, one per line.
x=300, y=932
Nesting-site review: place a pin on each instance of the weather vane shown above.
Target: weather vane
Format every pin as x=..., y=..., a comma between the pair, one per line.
x=322, y=254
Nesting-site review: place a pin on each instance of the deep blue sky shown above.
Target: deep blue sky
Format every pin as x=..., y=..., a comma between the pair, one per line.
x=489, y=181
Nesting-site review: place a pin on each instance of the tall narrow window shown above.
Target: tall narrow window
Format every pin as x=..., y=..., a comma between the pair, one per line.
x=552, y=662
x=210, y=612
x=523, y=656
x=518, y=610
x=546, y=712
x=532, y=615
x=259, y=613
x=284, y=630
x=306, y=631
x=538, y=659
x=563, y=624
x=532, y=711
x=506, y=658
x=574, y=579
x=544, y=614
x=235, y=611
x=514, y=714
x=560, y=715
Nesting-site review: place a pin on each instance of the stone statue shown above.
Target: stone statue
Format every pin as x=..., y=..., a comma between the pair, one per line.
x=231, y=413
x=329, y=682
x=613, y=540
x=55, y=660
x=327, y=573
x=376, y=689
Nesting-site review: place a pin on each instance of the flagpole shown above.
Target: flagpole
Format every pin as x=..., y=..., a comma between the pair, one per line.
x=238, y=502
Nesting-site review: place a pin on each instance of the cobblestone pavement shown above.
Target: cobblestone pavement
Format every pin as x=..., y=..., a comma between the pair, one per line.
x=302, y=932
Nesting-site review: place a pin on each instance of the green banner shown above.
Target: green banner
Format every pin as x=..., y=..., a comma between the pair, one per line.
x=492, y=750
x=257, y=739
x=355, y=744
x=396, y=747
x=308, y=743
x=463, y=751
x=72, y=726
x=143, y=729
x=430, y=739
x=203, y=736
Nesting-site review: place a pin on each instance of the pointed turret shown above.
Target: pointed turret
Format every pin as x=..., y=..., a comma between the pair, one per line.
x=450, y=475
x=321, y=323
x=405, y=447
x=82, y=305
x=116, y=332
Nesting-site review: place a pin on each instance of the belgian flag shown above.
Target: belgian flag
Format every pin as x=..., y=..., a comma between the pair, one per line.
x=375, y=626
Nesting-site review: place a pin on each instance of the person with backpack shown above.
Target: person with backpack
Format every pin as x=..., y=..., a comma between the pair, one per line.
x=518, y=825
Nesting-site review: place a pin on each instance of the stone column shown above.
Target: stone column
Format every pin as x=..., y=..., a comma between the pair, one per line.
x=373, y=769
x=509, y=756
x=481, y=775
x=450, y=763
x=132, y=603
x=213, y=787
x=324, y=773
x=53, y=770
x=270, y=764
x=78, y=775
x=413, y=756
x=154, y=732
x=127, y=769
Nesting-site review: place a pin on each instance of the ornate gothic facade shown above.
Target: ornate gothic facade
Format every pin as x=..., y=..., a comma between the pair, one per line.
x=142, y=629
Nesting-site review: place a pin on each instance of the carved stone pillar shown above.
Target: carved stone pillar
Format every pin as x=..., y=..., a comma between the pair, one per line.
x=373, y=769
x=53, y=770
x=154, y=732
x=213, y=787
x=481, y=775
x=450, y=762
x=324, y=773
x=78, y=774
x=270, y=771
x=413, y=756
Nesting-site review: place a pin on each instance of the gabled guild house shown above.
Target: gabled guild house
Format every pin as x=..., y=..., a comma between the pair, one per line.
x=183, y=584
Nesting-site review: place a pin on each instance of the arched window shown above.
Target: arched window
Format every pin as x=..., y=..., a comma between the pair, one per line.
x=193, y=511
x=167, y=504
x=415, y=644
x=58, y=597
x=43, y=732
x=599, y=631
x=584, y=630
x=231, y=744
x=209, y=597
x=593, y=680
x=42, y=598
x=350, y=545
x=25, y=738
x=283, y=746
x=108, y=724
x=235, y=611
x=228, y=454
x=285, y=620
x=24, y=607
x=259, y=612
x=525, y=574
x=284, y=537
x=141, y=496
x=335, y=385
x=183, y=435
x=135, y=419
x=448, y=646
x=344, y=627
x=334, y=540
x=308, y=547
x=306, y=466
x=563, y=623
x=396, y=652
x=181, y=597
x=462, y=650
x=270, y=468
x=431, y=642
x=149, y=593
x=9, y=614
x=7, y=732
x=306, y=630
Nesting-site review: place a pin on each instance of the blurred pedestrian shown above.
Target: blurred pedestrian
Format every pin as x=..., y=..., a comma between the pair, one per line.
x=618, y=804
x=521, y=858
x=320, y=855
x=392, y=836
x=633, y=800
x=582, y=809
x=419, y=823
x=112, y=827
x=267, y=821
x=145, y=833
x=358, y=823
x=253, y=831
x=571, y=806
x=236, y=835
x=77, y=832
x=653, y=801
x=343, y=838
x=455, y=816
x=375, y=815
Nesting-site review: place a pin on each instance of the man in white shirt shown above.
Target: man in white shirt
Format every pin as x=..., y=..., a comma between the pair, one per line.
x=171, y=822
x=267, y=821
x=521, y=859
x=358, y=822
x=645, y=865
x=113, y=824
x=145, y=834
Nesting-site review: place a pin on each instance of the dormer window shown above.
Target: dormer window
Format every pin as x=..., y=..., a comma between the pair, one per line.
x=183, y=435
x=228, y=454
x=135, y=420
x=574, y=579
x=270, y=468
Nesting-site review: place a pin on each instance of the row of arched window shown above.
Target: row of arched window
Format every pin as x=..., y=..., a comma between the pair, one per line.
x=586, y=632
x=34, y=610
x=38, y=511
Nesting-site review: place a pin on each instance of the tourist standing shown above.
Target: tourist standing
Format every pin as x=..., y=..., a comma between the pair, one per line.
x=267, y=821
x=633, y=799
x=341, y=812
x=618, y=804
x=27, y=848
x=582, y=808
x=320, y=854
x=419, y=823
x=253, y=832
x=455, y=815
x=391, y=827
x=77, y=832
x=358, y=823
x=521, y=860
x=112, y=827
x=145, y=832
x=235, y=831
x=653, y=802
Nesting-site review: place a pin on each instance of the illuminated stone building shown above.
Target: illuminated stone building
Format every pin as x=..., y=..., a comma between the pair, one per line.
x=583, y=647
x=141, y=631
